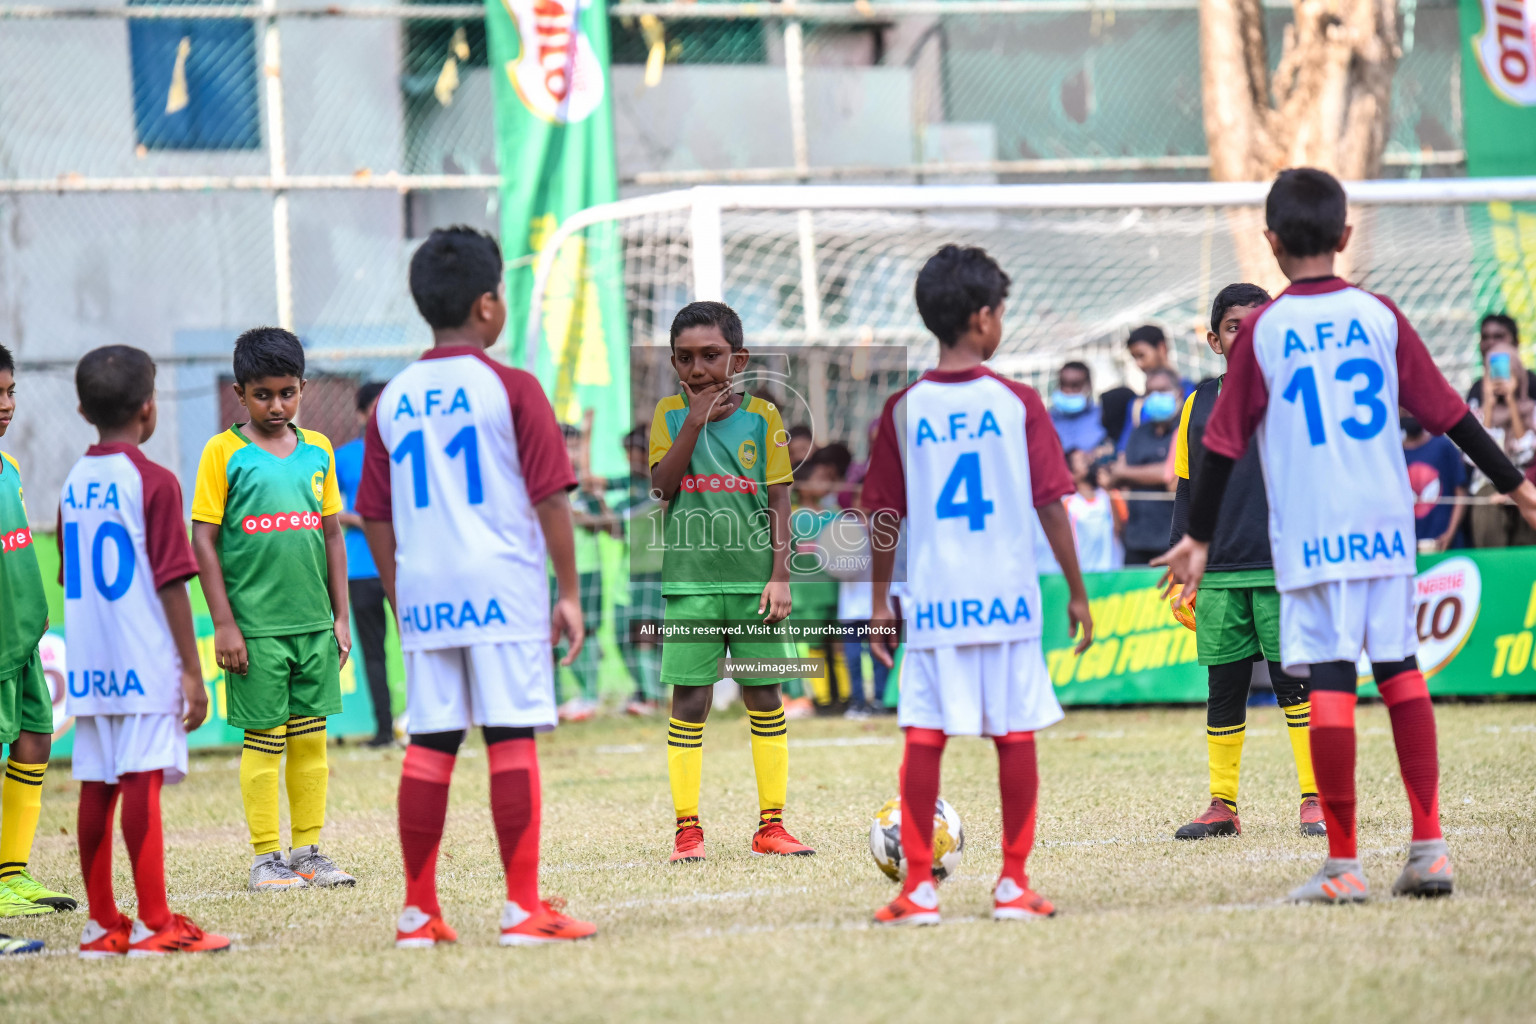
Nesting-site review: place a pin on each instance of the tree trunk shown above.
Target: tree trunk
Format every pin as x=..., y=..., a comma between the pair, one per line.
x=1326, y=105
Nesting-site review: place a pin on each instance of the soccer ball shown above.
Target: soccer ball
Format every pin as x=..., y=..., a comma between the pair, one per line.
x=885, y=841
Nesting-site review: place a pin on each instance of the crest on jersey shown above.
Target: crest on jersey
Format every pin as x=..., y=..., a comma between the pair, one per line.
x=317, y=484
x=747, y=454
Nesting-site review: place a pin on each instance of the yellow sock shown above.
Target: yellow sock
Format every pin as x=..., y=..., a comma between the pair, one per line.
x=1224, y=749
x=307, y=776
x=260, y=758
x=685, y=766
x=1298, y=717
x=821, y=689
x=770, y=757
x=21, y=800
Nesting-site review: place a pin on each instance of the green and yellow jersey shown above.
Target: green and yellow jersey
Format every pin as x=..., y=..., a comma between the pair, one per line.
x=271, y=544
x=717, y=534
x=23, y=604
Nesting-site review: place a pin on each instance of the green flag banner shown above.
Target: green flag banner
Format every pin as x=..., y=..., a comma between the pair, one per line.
x=1498, y=103
x=554, y=150
x=1475, y=611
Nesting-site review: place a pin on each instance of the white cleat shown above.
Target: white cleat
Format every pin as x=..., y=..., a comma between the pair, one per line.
x=1340, y=880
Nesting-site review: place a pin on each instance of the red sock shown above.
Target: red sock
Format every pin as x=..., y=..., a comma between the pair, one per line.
x=1018, y=777
x=98, y=803
x=515, y=808
x=423, y=805
x=1333, y=762
x=1413, y=733
x=919, y=797
x=145, y=836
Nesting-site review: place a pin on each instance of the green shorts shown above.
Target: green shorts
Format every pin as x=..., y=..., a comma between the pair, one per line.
x=693, y=662
x=1234, y=624
x=288, y=676
x=26, y=704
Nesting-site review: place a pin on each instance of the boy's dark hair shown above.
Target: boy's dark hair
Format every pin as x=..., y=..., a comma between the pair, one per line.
x=837, y=455
x=1240, y=293
x=367, y=393
x=1079, y=366
x=449, y=273
x=956, y=282
x=7, y=361
x=113, y=383
x=1147, y=334
x=638, y=438
x=1307, y=210
x=710, y=314
x=801, y=430
x=268, y=352
x=1504, y=320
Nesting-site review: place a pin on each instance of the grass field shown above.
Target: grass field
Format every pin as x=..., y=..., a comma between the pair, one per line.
x=1149, y=929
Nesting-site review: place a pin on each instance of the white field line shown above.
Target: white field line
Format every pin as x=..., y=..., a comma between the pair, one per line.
x=703, y=897
x=830, y=741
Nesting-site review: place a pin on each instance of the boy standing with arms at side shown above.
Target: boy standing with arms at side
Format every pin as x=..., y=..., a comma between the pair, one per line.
x=720, y=460
x=273, y=561
x=135, y=682
x=1318, y=375
x=26, y=704
x=464, y=497
x=1239, y=612
x=968, y=459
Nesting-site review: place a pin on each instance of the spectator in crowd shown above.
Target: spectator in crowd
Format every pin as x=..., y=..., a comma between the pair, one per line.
x=813, y=591
x=1148, y=346
x=1142, y=468
x=1073, y=411
x=591, y=516
x=802, y=442
x=1098, y=517
x=642, y=537
x=364, y=590
x=1435, y=471
x=1501, y=399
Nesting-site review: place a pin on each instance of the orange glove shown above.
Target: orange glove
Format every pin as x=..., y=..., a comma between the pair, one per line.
x=1186, y=616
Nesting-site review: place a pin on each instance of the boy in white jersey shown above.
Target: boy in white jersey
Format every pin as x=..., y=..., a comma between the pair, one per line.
x=135, y=682
x=464, y=495
x=1097, y=516
x=1318, y=374
x=968, y=459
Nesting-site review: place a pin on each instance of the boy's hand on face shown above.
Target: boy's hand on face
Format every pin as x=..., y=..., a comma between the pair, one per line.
x=775, y=602
x=704, y=401
x=229, y=649
x=343, y=633
x=195, y=698
x=565, y=619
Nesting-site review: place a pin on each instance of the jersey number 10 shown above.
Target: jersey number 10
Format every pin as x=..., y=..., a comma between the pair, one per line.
x=112, y=589
x=413, y=446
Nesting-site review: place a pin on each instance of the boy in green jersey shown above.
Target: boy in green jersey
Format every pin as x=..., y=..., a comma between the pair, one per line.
x=26, y=704
x=274, y=570
x=720, y=461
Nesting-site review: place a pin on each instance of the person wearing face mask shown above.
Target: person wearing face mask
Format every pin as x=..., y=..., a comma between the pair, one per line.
x=1501, y=400
x=1435, y=471
x=1142, y=466
x=1073, y=411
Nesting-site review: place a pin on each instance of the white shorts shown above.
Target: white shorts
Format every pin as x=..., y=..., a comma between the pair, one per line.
x=1340, y=620
x=110, y=746
x=978, y=689
x=508, y=684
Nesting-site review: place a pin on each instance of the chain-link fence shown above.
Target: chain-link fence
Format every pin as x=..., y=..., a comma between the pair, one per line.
x=174, y=172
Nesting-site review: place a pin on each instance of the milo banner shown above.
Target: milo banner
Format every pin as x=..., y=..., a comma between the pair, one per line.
x=554, y=150
x=1475, y=612
x=1498, y=102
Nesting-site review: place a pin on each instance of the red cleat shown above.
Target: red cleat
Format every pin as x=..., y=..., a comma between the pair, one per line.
x=920, y=906
x=544, y=926
x=1012, y=902
x=98, y=943
x=1312, y=823
x=1218, y=820
x=772, y=840
x=689, y=844
x=179, y=936
x=417, y=930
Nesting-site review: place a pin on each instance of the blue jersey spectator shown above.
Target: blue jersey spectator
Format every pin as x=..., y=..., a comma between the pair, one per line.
x=1436, y=470
x=1073, y=411
x=363, y=586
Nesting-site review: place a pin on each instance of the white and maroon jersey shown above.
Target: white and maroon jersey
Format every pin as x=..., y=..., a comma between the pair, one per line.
x=1093, y=528
x=1319, y=374
x=967, y=457
x=121, y=538
x=457, y=453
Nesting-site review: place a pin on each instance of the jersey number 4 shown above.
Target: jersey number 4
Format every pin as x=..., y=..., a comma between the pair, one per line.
x=975, y=508
x=413, y=446
x=1303, y=389
x=117, y=535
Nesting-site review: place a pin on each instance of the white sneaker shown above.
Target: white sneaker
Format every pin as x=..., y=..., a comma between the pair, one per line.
x=1339, y=880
